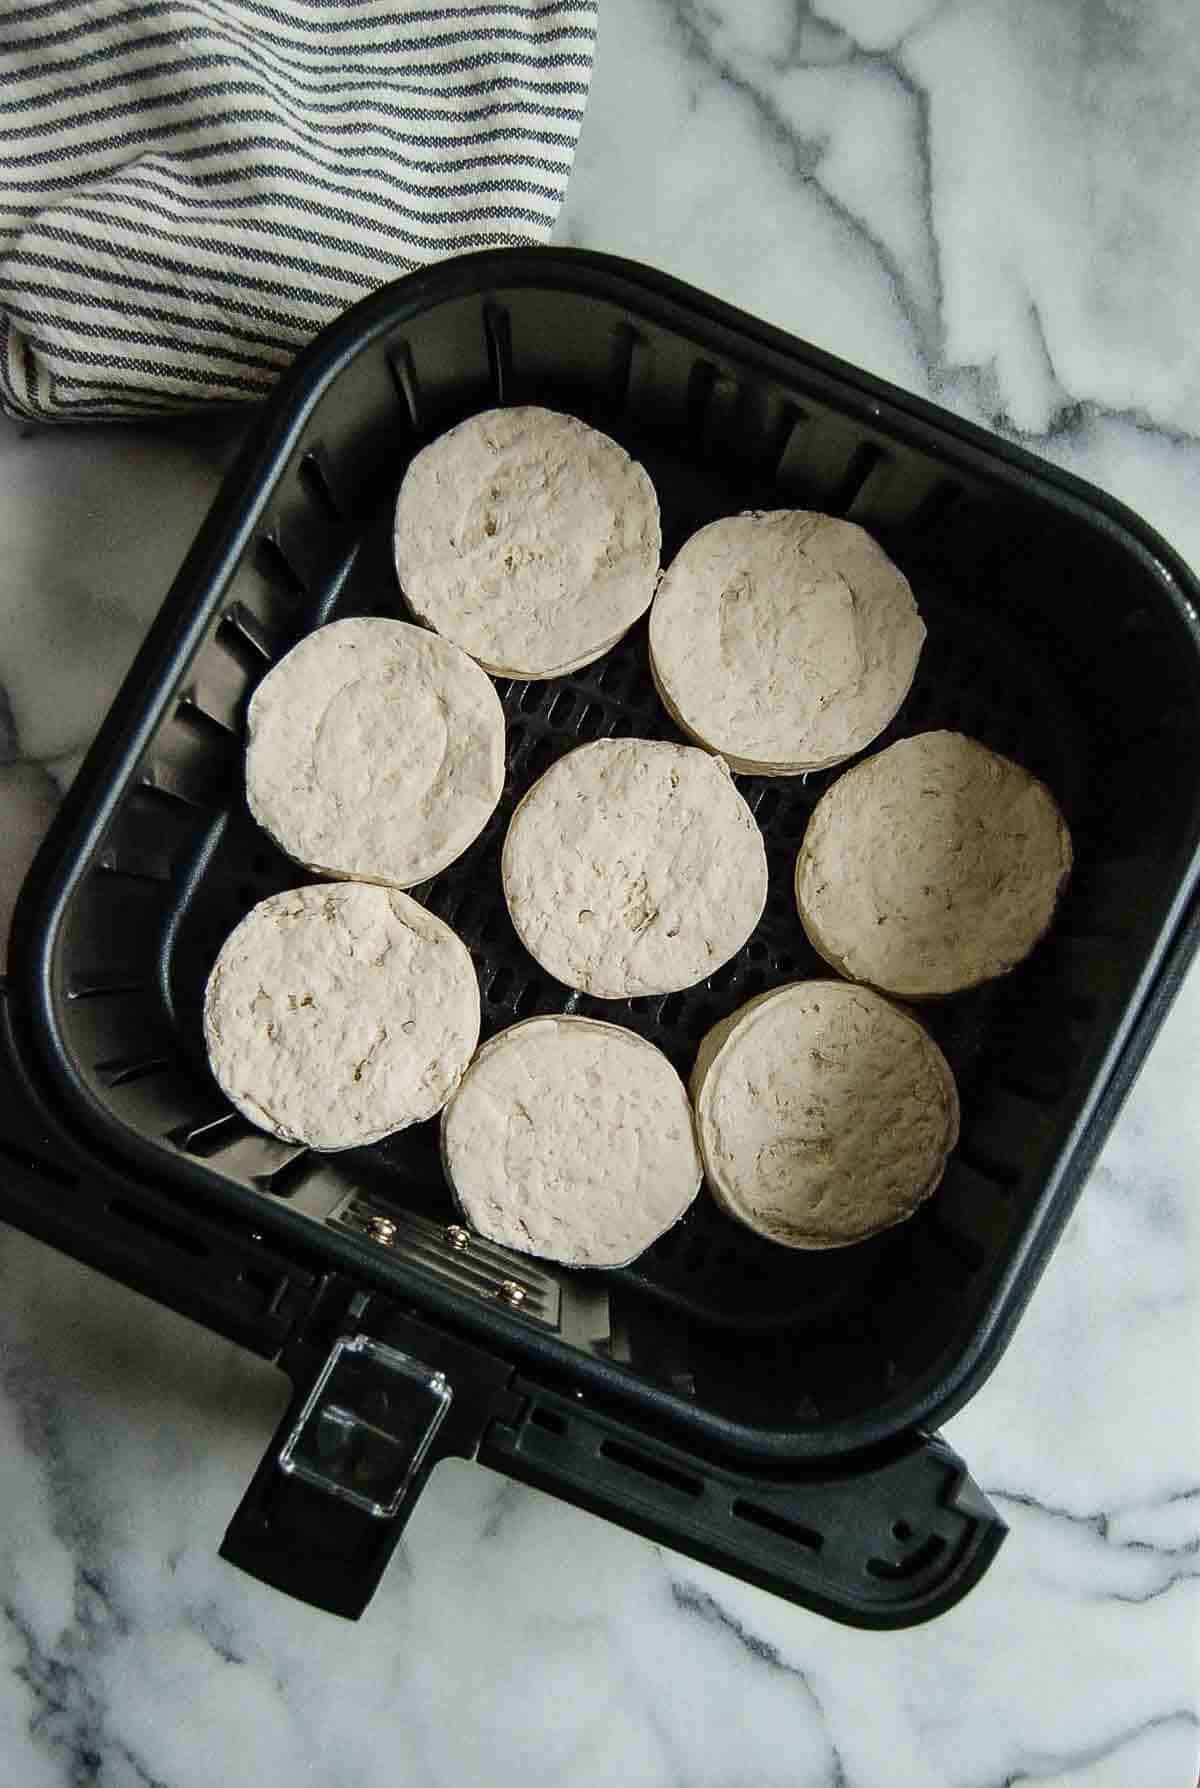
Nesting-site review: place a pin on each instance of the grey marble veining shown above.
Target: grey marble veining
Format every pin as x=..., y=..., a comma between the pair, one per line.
x=994, y=205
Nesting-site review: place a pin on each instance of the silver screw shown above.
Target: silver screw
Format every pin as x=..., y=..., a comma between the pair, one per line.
x=458, y=1237
x=511, y=1293
x=381, y=1230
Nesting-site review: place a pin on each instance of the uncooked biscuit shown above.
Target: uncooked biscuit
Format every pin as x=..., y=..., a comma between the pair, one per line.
x=931, y=867
x=571, y=1139
x=824, y=1114
x=784, y=640
x=634, y=866
x=529, y=539
x=376, y=751
x=339, y=1013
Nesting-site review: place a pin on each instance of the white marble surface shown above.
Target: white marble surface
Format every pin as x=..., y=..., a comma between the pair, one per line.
x=991, y=203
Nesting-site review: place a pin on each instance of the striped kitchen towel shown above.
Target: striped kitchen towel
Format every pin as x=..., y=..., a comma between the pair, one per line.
x=189, y=189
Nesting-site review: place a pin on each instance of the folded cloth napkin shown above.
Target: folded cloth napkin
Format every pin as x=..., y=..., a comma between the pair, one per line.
x=189, y=189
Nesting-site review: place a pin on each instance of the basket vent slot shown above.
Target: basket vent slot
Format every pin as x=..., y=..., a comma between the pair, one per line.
x=37, y=1164
x=779, y=439
x=278, y=569
x=497, y=331
x=934, y=509
x=702, y=383
x=124, y=1070
x=864, y=462
x=987, y=1166
x=404, y=376
x=156, y=1226
x=198, y=720
x=626, y=342
x=782, y=1526
x=314, y=481
x=207, y=1139
x=270, y=1287
x=285, y=1180
x=144, y=870
x=649, y=1467
x=93, y=988
x=549, y=1419
x=242, y=633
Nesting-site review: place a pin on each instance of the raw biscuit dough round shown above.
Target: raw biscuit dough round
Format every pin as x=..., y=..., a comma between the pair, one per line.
x=634, y=866
x=375, y=752
x=529, y=539
x=337, y=1014
x=571, y=1139
x=785, y=640
x=824, y=1114
x=933, y=866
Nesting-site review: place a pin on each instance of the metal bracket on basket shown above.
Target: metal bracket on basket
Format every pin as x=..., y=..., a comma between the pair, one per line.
x=570, y=1307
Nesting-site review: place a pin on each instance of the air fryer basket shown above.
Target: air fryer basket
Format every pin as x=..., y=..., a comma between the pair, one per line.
x=762, y=1409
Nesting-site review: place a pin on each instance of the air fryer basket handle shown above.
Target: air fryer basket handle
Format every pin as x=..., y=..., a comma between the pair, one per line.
x=376, y=1404
x=888, y=1543
x=380, y=1397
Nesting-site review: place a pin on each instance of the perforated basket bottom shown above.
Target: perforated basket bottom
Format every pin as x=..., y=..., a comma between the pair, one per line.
x=976, y=675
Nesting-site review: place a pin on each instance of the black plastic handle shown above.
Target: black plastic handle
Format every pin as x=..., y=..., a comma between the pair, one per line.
x=884, y=1543
x=890, y=1542
x=328, y=1542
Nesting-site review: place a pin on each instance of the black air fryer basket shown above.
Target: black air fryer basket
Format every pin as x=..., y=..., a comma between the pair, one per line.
x=766, y=1411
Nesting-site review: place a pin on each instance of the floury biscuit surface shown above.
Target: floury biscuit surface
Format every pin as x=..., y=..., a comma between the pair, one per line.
x=824, y=1113
x=337, y=1014
x=529, y=539
x=931, y=867
x=375, y=751
x=784, y=640
x=634, y=866
x=573, y=1140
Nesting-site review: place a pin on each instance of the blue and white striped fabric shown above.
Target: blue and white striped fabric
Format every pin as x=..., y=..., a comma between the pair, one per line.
x=189, y=189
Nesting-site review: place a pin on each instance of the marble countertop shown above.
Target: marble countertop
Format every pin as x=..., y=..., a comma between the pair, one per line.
x=992, y=204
